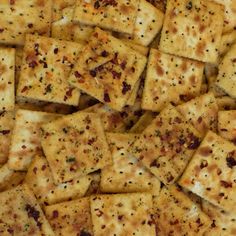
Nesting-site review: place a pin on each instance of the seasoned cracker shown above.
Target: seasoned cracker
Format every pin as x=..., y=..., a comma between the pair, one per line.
x=212, y=171
x=170, y=79
x=25, y=141
x=21, y=215
x=70, y=218
x=46, y=65
x=125, y=174
x=202, y=112
x=75, y=145
x=166, y=145
x=7, y=82
x=192, y=29
x=227, y=124
x=18, y=18
x=112, y=15
x=175, y=214
x=126, y=214
x=108, y=69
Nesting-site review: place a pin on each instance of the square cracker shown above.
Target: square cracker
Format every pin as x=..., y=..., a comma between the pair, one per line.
x=229, y=14
x=122, y=214
x=147, y=25
x=40, y=179
x=192, y=29
x=107, y=70
x=10, y=178
x=125, y=174
x=175, y=214
x=212, y=171
x=227, y=125
x=7, y=82
x=202, y=112
x=21, y=215
x=170, y=79
x=112, y=15
x=18, y=18
x=166, y=145
x=223, y=223
x=6, y=127
x=46, y=65
x=75, y=145
x=71, y=218
x=226, y=78
x=25, y=141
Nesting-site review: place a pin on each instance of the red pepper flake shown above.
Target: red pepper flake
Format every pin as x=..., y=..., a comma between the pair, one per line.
x=194, y=142
x=93, y=73
x=174, y=222
x=234, y=60
x=35, y=214
x=84, y=233
x=104, y=53
x=106, y=97
x=120, y=217
x=30, y=25
x=91, y=141
x=55, y=50
x=226, y=184
x=33, y=64
x=10, y=231
x=116, y=75
x=35, y=170
x=12, y=2
x=109, y=3
x=96, y=5
x=43, y=167
x=199, y=120
x=23, y=147
x=4, y=132
x=48, y=89
x=123, y=65
x=1, y=30
x=170, y=178
x=203, y=164
x=155, y=164
x=55, y=214
x=68, y=93
x=126, y=87
x=231, y=162
x=77, y=74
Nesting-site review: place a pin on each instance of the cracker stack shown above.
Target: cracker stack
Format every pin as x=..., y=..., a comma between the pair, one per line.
x=118, y=117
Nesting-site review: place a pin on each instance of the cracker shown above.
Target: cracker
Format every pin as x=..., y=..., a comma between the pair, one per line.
x=142, y=123
x=123, y=214
x=66, y=29
x=75, y=145
x=147, y=25
x=19, y=18
x=21, y=215
x=45, y=69
x=166, y=145
x=229, y=14
x=70, y=218
x=112, y=15
x=125, y=174
x=25, y=142
x=176, y=214
x=227, y=125
x=192, y=29
x=202, y=112
x=10, y=178
x=170, y=79
x=226, y=103
x=40, y=179
x=223, y=223
x=108, y=70
x=226, y=78
x=6, y=127
x=7, y=83
x=211, y=172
